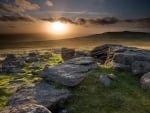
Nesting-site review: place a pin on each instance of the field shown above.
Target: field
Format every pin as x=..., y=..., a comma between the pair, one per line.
x=124, y=95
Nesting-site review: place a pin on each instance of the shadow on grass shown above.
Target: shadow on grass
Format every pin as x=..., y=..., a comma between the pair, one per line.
x=123, y=96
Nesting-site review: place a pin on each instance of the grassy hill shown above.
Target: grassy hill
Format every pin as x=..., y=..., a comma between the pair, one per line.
x=138, y=39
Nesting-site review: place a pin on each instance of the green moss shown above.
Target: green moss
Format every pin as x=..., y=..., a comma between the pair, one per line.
x=123, y=96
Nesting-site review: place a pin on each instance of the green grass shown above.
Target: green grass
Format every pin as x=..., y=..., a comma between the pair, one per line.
x=10, y=82
x=123, y=96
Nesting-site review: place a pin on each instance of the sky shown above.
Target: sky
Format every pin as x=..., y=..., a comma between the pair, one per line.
x=96, y=16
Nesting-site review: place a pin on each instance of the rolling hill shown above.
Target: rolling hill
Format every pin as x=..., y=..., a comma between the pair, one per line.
x=37, y=41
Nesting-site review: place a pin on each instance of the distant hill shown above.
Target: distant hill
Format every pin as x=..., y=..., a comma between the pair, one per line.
x=37, y=41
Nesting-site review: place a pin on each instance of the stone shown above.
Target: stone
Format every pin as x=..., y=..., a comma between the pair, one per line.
x=121, y=57
x=33, y=54
x=26, y=108
x=145, y=81
x=71, y=72
x=120, y=67
x=140, y=67
x=82, y=53
x=31, y=59
x=106, y=80
x=41, y=94
x=100, y=53
x=63, y=111
x=10, y=57
x=67, y=53
x=129, y=57
x=38, y=64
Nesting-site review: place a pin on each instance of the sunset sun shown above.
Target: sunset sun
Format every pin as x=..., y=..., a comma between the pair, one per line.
x=59, y=28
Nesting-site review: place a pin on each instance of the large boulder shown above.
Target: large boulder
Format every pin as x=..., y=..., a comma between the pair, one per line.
x=102, y=53
x=121, y=57
x=26, y=108
x=145, y=81
x=67, y=53
x=140, y=67
x=71, y=72
x=41, y=94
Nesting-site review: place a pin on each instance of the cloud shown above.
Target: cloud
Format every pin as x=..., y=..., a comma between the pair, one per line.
x=15, y=18
x=49, y=3
x=80, y=21
x=18, y=7
x=27, y=5
x=142, y=22
x=84, y=21
x=10, y=8
x=61, y=19
x=103, y=21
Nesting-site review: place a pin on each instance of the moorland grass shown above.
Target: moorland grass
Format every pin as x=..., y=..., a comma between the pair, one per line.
x=123, y=96
x=10, y=82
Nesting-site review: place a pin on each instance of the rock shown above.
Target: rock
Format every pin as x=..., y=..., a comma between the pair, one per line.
x=10, y=57
x=31, y=59
x=38, y=64
x=9, y=68
x=71, y=72
x=26, y=108
x=129, y=57
x=100, y=53
x=41, y=93
x=145, y=81
x=120, y=67
x=106, y=80
x=33, y=54
x=63, y=111
x=82, y=53
x=67, y=53
x=121, y=57
x=140, y=67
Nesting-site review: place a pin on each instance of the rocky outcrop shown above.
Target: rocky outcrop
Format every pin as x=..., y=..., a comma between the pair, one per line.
x=41, y=94
x=105, y=52
x=67, y=53
x=122, y=58
x=145, y=81
x=71, y=72
x=26, y=108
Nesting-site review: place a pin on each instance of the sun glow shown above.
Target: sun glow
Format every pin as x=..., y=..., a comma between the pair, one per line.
x=59, y=28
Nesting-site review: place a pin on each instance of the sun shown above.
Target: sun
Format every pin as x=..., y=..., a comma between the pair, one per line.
x=59, y=28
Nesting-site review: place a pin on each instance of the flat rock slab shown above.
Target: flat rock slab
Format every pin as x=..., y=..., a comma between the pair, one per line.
x=27, y=108
x=41, y=94
x=71, y=72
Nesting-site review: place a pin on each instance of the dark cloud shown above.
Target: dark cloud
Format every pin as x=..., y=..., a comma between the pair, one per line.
x=65, y=20
x=103, y=21
x=48, y=19
x=15, y=18
x=61, y=19
x=143, y=22
x=83, y=21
